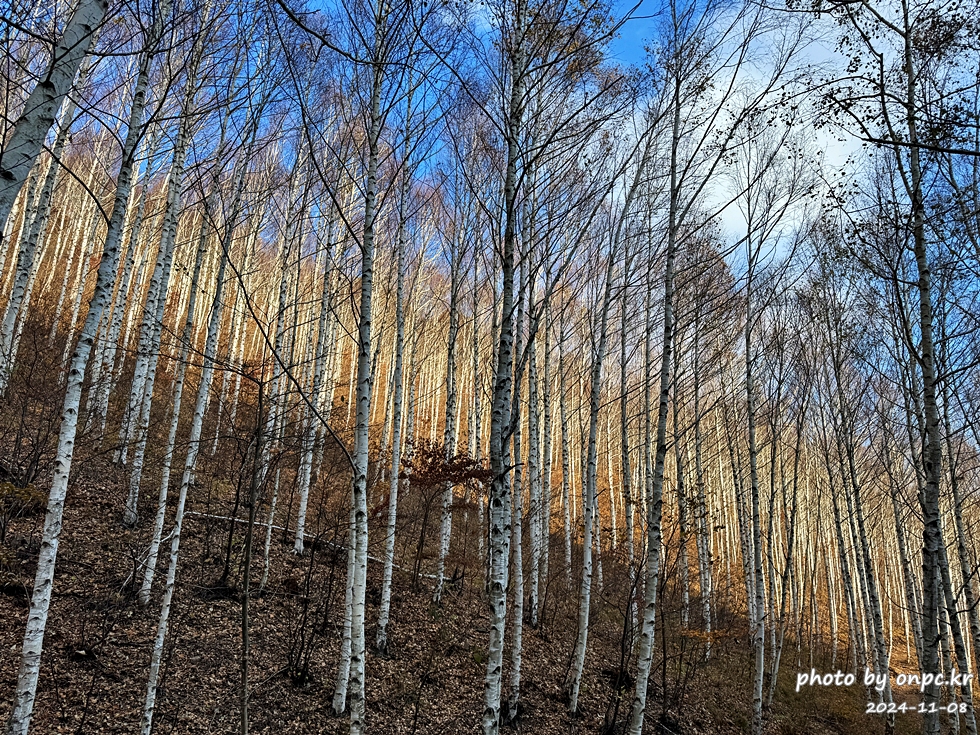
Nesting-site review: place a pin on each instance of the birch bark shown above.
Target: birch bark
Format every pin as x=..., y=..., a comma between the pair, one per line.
x=655, y=469
x=364, y=378
x=27, y=677
x=401, y=240
x=152, y=328
x=22, y=148
x=190, y=463
x=449, y=434
x=320, y=361
x=500, y=411
x=175, y=401
x=238, y=189
x=27, y=254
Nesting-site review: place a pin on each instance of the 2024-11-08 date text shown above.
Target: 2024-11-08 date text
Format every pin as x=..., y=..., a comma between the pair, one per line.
x=921, y=707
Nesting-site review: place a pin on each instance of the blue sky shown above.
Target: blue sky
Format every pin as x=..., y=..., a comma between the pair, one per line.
x=628, y=47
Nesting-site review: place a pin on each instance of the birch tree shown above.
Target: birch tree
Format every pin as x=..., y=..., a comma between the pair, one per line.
x=890, y=52
x=22, y=148
x=27, y=677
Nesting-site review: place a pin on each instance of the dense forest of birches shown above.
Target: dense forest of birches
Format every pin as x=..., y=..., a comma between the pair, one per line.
x=425, y=366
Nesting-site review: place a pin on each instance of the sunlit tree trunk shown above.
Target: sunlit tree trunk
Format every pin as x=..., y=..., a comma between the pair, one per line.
x=682, y=516
x=30, y=664
x=450, y=427
x=655, y=469
x=397, y=390
x=311, y=423
x=500, y=410
x=359, y=527
x=547, y=441
x=137, y=425
x=27, y=253
x=534, y=485
x=190, y=463
x=110, y=367
x=703, y=520
x=788, y=560
x=566, y=462
x=517, y=500
x=22, y=148
x=175, y=401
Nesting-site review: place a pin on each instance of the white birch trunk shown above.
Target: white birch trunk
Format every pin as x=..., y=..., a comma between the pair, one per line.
x=27, y=677
x=26, y=267
x=703, y=519
x=22, y=148
x=500, y=418
x=534, y=485
x=109, y=368
x=312, y=425
x=88, y=248
x=517, y=513
x=359, y=540
x=401, y=240
x=175, y=401
x=655, y=469
x=566, y=462
x=152, y=329
x=624, y=443
x=449, y=435
x=758, y=631
x=548, y=460
x=194, y=444
x=76, y=252
x=589, y=502
x=343, y=668
x=185, y=342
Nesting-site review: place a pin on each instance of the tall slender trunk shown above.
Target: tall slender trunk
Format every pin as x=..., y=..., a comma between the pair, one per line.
x=77, y=252
x=401, y=241
x=547, y=441
x=881, y=661
x=476, y=435
x=517, y=501
x=566, y=462
x=959, y=645
x=534, y=472
x=655, y=479
x=624, y=440
x=110, y=367
x=190, y=464
x=152, y=328
x=175, y=401
x=788, y=559
x=22, y=148
x=967, y=569
x=932, y=457
x=311, y=423
x=255, y=484
x=590, y=509
x=682, y=516
x=359, y=542
x=500, y=412
x=703, y=521
x=185, y=342
x=908, y=575
x=27, y=254
x=343, y=667
x=758, y=632
x=853, y=621
x=27, y=677
x=449, y=433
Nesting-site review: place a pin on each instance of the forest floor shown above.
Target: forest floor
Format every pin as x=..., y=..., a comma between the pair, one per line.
x=98, y=640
